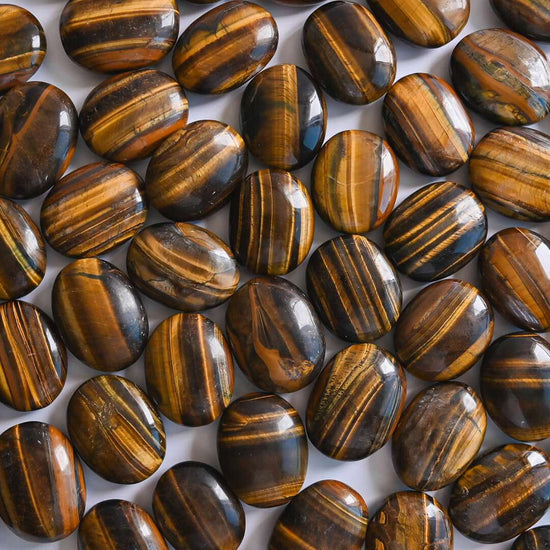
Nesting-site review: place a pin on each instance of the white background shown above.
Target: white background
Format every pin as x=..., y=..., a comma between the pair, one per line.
x=373, y=477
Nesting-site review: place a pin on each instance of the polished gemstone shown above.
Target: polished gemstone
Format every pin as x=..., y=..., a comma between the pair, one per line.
x=534, y=539
x=528, y=17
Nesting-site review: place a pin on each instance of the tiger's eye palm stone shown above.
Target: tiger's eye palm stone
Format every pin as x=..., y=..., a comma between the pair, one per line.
x=348, y=52
x=189, y=487
x=528, y=17
x=534, y=539
x=225, y=47
x=283, y=117
x=127, y=116
x=38, y=132
x=262, y=449
x=502, y=76
x=326, y=515
x=503, y=493
x=182, y=266
x=275, y=334
x=356, y=402
x=99, y=314
x=42, y=488
x=116, y=429
x=355, y=181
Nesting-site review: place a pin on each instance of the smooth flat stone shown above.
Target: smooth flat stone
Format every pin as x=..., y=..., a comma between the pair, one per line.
x=435, y=231
x=262, y=449
x=427, y=125
x=189, y=369
x=119, y=524
x=348, y=52
x=94, y=209
x=283, y=117
x=116, y=429
x=183, y=266
x=99, y=314
x=356, y=402
x=271, y=222
x=190, y=486
x=38, y=132
x=355, y=181
x=22, y=250
x=326, y=515
x=225, y=47
x=127, y=116
x=515, y=273
x=528, y=17
x=503, y=493
x=275, y=334
x=534, y=539
x=109, y=36
x=22, y=46
x=438, y=436
x=444, y=330
x=502, y=76
x=354, y=288
x=195, y=170
x=42, y=489
x=509, y=171
x=514, y=380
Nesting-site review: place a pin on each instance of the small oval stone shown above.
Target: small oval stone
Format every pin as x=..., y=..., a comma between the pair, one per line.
x=99, y=314
x=225, y=47
x=356, y=402
x=275, y=335
x=355, y=181
x=262, y=449
x=195, y=170
x=534, y=539
x=502, y=76
x=528, y=17
x=183, y=266
x=127, y=116
x=427, y=125
x=191, y=486
x=283, y=117
x=116, y=429
x=503, y=493
x=326, y=515
x=94, y=209
x=42, y=487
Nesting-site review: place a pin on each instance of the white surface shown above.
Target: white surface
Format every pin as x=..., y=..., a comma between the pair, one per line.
x=373, y=477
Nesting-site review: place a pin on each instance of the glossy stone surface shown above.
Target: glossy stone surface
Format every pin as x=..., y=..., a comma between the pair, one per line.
x=22, y=250
x=119, y=524
x=283, y=117
x=127, y=116
x=503, y=493
x=510, y=172
x=94, y=209
x=183, y=266
x=427, y=125
x=191, y=486
x=435, y=231
x=189, y=369
x=42, y=488
x=354, y=288
x=355, y=181
x=534, y=539
x=444, y=330
x=326, y=515
x=195, y=170
x=502, y=76
x=99, y=314
x=225, y=47
x=262, y=449
x=514, y=381
x=515, y=273
x=116, y=429
x=38, y=131
x=271, y=222
x=356, y=402
x=528, y=17
x=275, y=335
x=348, y=52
